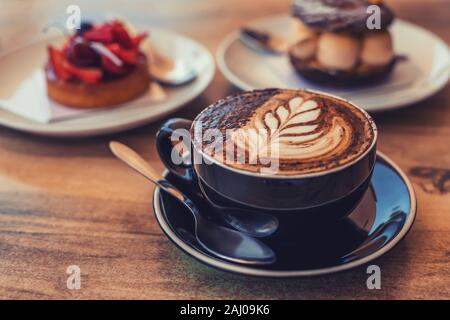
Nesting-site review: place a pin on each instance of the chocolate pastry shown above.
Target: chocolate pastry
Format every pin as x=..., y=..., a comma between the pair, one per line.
x=340, y=15
x=334, y=45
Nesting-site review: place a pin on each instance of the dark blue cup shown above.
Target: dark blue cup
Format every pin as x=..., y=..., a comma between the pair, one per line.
x=325, y=195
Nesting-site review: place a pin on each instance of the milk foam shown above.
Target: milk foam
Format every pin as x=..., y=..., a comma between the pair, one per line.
x=293, y=131
x=302, y=131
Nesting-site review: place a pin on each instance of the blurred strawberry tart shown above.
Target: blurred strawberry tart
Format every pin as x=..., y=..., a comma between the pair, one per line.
x=99, y=66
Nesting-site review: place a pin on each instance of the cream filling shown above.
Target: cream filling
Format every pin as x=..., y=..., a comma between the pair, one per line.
x=338, y=51
x=376, y=49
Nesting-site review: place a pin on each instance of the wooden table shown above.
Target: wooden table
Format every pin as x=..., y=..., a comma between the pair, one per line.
x=69, y=202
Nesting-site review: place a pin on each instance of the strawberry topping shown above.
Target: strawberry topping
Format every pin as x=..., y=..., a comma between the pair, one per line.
x=81, y=59
x=102, y=33
x=65, y=70
x=121, y=35
x=57, y=60
x=88, y=75
x=129, y=56
x=113, y=68
x=138, y=39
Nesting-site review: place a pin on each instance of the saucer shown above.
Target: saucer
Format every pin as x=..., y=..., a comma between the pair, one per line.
x=425, y=71
x=383, y=217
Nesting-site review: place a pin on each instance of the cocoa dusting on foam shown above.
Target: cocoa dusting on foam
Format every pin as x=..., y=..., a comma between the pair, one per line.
x=303, y=132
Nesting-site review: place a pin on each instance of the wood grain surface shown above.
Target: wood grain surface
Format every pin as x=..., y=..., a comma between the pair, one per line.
x=69, y=202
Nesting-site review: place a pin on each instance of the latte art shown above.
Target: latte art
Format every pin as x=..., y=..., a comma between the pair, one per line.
x=296, y=131
x=302, y=132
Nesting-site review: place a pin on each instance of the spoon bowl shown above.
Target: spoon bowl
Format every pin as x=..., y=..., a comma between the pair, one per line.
x=255, y=224
x=228, y=244
x=170, y=71
x=180, y=73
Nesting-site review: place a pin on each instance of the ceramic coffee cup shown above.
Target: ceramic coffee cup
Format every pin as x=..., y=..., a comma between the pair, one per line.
x=339, y=188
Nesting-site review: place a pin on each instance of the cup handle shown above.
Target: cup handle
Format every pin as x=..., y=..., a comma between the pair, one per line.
x=171, y=133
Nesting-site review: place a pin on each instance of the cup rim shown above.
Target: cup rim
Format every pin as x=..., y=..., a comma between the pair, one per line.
x=301, y=175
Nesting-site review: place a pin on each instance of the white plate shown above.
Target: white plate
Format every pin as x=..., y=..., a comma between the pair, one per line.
x=17, y=65
x=425, y=72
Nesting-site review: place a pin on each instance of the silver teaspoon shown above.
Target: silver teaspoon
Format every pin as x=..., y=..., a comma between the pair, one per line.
x=263, y=41
x=179, y=74
x=222, y=242
x=168, y=71
x=255, y=224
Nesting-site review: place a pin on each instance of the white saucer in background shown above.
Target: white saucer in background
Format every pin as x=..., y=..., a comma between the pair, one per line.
x=425, y=72
x=19, y=64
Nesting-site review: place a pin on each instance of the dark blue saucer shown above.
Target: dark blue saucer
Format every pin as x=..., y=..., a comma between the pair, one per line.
x=380, y=221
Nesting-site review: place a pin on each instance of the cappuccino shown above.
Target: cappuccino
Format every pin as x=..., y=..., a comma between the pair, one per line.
x=301, y=132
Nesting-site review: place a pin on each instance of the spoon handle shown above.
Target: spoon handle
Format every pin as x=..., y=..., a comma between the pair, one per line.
x=225, y=243
x=136, y=162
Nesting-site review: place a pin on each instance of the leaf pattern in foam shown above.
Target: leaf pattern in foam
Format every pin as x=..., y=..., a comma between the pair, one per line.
x=288, y=125
x=286, y=128
x=295, y=123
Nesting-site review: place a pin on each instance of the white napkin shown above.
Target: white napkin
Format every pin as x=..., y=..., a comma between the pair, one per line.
x=31, y=101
